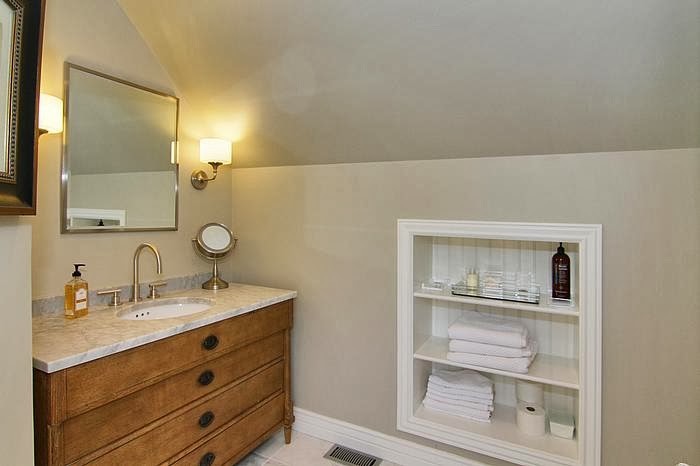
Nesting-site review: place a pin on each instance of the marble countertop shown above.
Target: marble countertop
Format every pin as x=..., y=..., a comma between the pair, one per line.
x=58, y=343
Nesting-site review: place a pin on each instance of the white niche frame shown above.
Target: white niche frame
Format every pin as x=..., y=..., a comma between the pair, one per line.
x=588, y=237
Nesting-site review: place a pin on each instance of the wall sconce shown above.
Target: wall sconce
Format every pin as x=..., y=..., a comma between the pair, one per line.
x=215, y=152
x=50, y=114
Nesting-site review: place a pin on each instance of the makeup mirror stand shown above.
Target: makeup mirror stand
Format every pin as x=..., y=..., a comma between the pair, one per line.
x=215, y=282
x=214, y=241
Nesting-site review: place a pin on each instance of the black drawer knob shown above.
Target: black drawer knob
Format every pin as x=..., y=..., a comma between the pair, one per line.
x=206, y=377
x=206, y=419
x=207, y=459
x=210, y=342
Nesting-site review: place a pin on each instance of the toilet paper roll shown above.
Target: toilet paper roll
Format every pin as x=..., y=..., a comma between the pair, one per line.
x=529, y=392
x=530, y=419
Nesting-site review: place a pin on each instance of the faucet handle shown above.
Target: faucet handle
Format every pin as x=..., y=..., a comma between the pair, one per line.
x=153, y=293
x=115, y=300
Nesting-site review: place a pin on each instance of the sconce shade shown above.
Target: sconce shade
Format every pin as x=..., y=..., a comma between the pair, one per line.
x=50, y=113
x=215, y=151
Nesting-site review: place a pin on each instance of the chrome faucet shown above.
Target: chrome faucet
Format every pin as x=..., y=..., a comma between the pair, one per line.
x=136, y=295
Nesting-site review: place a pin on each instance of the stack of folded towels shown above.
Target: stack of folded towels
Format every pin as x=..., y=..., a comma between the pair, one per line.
x=491, y=341
x=463, y=393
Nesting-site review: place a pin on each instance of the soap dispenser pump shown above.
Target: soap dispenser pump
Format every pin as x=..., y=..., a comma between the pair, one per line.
x=76, y=295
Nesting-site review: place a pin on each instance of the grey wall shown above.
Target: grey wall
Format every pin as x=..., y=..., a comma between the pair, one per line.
x=313, y=81
x=330, y=233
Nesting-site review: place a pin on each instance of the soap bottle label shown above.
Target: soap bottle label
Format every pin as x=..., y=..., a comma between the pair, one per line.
x=561, y=276
x=81, y=299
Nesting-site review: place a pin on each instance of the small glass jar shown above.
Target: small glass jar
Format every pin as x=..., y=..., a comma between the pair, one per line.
x=472, y=279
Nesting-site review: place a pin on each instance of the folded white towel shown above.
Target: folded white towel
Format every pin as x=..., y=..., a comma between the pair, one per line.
x=479, y=406
x=462, y=379
x=466, y=346
x=457, y=394
x=482, y=328
x=467, y=413
x=519, y=365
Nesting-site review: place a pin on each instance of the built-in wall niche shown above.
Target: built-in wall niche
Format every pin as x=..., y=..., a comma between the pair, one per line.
x=567, y=333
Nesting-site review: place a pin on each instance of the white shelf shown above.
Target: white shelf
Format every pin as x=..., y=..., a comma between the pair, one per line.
x=504, y=428
x=547, y=369
x=568, y=336
x=546, y=308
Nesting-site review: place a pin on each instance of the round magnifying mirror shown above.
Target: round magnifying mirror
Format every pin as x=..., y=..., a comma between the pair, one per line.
x=213, y=242
x=215, y=238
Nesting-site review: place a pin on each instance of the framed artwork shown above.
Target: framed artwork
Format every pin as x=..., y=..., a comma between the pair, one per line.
x=21, y=27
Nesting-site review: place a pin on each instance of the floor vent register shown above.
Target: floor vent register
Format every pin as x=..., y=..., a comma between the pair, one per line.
x=344, y=455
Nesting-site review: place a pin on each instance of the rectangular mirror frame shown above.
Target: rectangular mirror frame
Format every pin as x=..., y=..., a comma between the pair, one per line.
x=65, y=158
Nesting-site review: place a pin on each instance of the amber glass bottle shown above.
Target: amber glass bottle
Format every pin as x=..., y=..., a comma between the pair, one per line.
x=561, y=274
x=76, y=295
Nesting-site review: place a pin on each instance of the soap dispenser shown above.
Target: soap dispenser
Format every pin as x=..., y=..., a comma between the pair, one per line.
x=76, y=291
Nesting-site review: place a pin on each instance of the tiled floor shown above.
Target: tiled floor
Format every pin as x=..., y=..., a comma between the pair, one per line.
x=303, y=451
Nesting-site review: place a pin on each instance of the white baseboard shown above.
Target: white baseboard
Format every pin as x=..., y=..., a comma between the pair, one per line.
x=375, y=443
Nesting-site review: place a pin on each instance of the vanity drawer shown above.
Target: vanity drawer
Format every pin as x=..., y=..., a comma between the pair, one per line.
x=98, y=382
x=114, y=420
x=222, y=448
x=175, y=435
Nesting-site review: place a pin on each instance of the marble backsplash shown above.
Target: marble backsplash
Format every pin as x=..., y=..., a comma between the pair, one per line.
x=54, y=305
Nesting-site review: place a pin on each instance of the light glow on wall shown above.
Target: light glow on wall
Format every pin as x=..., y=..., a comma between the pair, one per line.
x=50, y=114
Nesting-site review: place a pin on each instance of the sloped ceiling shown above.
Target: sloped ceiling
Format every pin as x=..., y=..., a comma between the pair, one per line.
x=328, y=81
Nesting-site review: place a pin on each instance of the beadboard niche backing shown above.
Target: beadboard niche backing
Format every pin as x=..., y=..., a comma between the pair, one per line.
x=568, y=363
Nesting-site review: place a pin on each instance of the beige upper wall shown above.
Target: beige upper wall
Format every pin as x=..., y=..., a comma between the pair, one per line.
x=330, y=233
x=98, y=35
x=312, y=81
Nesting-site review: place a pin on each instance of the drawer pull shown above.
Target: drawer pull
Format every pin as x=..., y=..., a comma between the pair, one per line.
x=206, y=378
x=206, y=419
x=207, y=459
x=210, y=342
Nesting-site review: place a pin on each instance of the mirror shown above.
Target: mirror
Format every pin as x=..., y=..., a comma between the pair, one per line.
x=120, y=170
x=215, y=238
x=213, y=242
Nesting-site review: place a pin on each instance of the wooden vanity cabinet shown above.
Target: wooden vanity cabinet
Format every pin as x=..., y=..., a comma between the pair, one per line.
x=205, y=397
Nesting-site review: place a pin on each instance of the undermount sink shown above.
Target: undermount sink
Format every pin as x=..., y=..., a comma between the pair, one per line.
x=165, y=308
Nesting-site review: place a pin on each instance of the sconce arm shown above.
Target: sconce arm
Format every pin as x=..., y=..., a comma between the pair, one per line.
x=199, y=178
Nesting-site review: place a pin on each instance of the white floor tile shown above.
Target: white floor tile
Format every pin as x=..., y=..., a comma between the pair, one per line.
x=273, y=463
x=304, y=450
x=272, y=445
x=252, y=460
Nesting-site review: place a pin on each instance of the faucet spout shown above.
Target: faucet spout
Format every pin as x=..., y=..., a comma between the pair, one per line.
x=136, y=294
